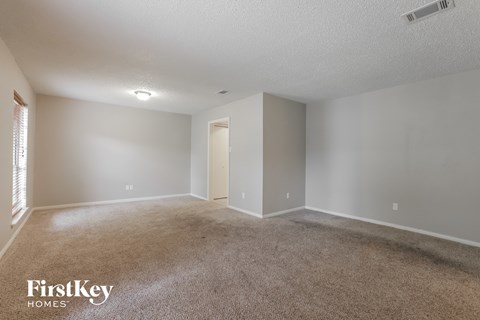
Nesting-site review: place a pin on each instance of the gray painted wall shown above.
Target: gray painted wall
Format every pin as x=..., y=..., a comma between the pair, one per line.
x=246, y=157
x=283, y=154
x=12, y=78
x=416, y=144
x=90, y=151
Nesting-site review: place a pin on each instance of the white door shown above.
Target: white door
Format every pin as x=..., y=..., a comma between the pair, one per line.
x=219, y=158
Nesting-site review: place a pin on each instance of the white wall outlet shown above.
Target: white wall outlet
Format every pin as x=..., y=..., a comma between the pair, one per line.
x=127, y=187
x=287, y=195
x=243, y=195
x=131, y=187
x=395, y=206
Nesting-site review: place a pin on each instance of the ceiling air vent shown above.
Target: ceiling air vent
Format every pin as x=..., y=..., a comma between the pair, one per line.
x=428, y=10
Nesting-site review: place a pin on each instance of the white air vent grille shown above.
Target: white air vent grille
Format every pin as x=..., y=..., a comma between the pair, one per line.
x=428, y=10
x=410, y=17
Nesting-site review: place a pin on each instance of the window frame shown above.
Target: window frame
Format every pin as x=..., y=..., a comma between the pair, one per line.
x=19, y=157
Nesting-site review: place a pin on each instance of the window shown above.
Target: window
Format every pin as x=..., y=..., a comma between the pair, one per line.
x=20, y=130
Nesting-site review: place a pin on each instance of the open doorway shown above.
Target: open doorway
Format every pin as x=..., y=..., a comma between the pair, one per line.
x=218, y=160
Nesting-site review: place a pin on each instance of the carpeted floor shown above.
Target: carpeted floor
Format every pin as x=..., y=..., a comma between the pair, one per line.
x=184, y=258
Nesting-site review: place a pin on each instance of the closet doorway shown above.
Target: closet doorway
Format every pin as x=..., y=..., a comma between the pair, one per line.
x=218, y=160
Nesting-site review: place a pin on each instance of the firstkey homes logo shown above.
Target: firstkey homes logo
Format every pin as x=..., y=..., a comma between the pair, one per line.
x=56, y=295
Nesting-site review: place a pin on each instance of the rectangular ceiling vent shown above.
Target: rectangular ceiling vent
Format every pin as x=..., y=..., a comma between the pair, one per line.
x=428, y=10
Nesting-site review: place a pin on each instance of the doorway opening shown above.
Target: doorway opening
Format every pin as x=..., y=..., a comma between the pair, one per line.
x=219, y=160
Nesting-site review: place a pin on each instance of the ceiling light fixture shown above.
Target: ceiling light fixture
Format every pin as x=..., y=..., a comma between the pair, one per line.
x=143, y=95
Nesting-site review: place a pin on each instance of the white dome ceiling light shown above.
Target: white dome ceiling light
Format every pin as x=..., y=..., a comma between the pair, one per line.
x=143, y=95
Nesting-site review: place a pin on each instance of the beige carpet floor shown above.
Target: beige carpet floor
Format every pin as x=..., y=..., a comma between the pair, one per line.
x=184, y=258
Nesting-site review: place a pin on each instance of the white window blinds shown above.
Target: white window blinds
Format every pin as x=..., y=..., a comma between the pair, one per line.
x=20, y=132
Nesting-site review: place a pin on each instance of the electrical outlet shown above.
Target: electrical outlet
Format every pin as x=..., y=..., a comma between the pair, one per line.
x=127, y=187
x=395, y=206
x=288, y=195
x=243, y=195
x=131, y=187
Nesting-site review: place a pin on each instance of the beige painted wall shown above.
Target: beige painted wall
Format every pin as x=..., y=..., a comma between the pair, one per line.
x=246, y=157
x=12, y=78
x=89, y=151
x=415, y=144
x=283, y=154
x=267, y=136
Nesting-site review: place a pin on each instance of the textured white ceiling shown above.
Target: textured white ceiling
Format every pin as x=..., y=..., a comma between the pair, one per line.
x=185, y=51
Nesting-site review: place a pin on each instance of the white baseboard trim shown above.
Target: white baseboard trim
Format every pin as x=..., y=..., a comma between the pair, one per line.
x=274, y=214
x=257, y=215
x=199, y=197
x=397, y=226
x=17, y=231
x=96, y=203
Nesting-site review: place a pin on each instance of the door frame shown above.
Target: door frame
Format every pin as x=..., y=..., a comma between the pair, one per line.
x=225, y=119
